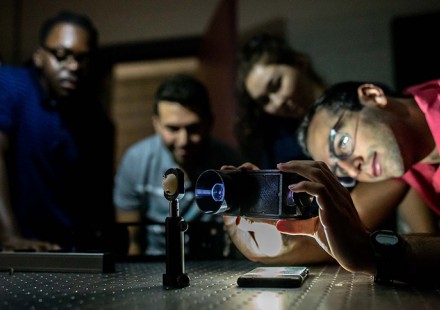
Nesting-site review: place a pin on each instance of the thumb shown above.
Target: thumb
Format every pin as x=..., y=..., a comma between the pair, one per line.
x=298, y=227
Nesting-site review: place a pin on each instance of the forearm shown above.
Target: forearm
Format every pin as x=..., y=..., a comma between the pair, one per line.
x=418, y=217
x=133, y=221
x=280, y=249
x=376, y=202
x=299, y=250
x=422, y=259
x=8, y=227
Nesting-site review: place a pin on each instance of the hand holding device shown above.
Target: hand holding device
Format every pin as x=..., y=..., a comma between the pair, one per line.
x=256, y=194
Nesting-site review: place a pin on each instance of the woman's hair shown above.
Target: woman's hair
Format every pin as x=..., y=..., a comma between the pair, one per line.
x=253, y=125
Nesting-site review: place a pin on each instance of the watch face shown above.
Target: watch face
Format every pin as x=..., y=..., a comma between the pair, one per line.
x=386, y=239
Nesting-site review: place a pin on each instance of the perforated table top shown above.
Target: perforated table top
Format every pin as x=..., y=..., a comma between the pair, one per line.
x=138, y=285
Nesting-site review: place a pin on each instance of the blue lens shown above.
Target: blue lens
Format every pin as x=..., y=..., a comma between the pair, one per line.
x=218, y=192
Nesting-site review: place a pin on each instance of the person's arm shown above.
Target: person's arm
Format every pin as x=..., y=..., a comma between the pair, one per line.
x=259, y=240
x=128, y=204
x=376, y=202
x=418, y=217
x=10, y=236
x=422, y=259
x=8, y=228
x=339, y=230
x=132, y=219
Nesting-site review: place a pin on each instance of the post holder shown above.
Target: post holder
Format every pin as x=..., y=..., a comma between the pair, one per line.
x=175, y=226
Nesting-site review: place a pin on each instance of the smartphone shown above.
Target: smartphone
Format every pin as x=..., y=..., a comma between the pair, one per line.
x=274, y=277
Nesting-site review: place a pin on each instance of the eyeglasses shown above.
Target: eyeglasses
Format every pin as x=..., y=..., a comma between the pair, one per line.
x=63, y=55
x=341, y=147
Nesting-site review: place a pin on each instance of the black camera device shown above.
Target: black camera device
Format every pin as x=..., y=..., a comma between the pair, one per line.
x=255, y=193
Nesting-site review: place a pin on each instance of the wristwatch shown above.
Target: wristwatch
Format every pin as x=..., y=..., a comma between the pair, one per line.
x=390, y=253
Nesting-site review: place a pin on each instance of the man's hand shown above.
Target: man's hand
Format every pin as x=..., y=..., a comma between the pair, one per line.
x=18, y=243
x=256, y=239
x=260, y=241
x=338, y=229
x=246, y=166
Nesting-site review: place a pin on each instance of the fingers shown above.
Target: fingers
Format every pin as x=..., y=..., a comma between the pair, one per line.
x=320, y=182
x=245, y=166
x=248, y=224
x=268, y=240
x=25, y=244
x=229, y=220
x=228, y=167
x=298, y=227
x=310, y=169
x=248, y=166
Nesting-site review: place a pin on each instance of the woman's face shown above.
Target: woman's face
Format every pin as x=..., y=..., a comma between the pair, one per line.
x=281, y=90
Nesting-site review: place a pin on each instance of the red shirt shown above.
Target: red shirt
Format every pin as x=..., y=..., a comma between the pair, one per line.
x=423, y=177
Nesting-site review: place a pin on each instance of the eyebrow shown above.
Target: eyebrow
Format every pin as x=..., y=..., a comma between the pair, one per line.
x=339, y=122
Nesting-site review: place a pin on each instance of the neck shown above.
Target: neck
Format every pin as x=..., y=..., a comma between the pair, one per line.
x=433, y=157
x=415, y=129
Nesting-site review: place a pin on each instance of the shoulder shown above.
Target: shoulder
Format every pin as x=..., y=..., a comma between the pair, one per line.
x=146, y=143
x=14, y=75
x=16, y=82
x=433, y=85
x=426, y=94
x=143, y=148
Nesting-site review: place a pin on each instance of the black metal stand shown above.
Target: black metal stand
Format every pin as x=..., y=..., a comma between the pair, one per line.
x=175, y=226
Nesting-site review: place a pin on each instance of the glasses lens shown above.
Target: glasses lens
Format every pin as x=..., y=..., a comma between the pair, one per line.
x=343, y=176
x=340, y=172
x=63, y=55
x=343, y=145
x=59, y=54
x=347, y=181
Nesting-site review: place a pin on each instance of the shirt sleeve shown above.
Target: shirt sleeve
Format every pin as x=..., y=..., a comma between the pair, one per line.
x=6, y=105
x=127, y=193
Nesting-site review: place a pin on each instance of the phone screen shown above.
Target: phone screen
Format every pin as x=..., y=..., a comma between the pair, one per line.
x=274, y=277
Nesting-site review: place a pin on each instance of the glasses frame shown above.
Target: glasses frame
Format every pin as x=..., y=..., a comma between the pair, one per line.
x=67, y=55
x=345, y=180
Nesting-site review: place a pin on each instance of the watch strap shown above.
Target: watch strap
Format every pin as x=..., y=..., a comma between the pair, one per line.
x=390, y=258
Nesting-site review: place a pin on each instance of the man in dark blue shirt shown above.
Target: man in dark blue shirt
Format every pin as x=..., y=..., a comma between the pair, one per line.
x=56, y=145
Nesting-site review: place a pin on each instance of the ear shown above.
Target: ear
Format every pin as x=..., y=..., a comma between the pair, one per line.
x=38, y=57
x=156, y=123
x=372, y=95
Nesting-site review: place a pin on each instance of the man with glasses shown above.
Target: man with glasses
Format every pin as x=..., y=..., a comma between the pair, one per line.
x=362, y=132
x=368, y=134
x=56, y=145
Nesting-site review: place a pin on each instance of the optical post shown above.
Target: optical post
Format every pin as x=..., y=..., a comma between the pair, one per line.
x=175, y=226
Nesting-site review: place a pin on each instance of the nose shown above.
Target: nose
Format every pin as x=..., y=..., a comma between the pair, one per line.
x=352, y=166
x=182, y=137
x=71, y=63
x=277, y=99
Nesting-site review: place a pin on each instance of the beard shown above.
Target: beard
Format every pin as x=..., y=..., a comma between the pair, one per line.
x=386, y=145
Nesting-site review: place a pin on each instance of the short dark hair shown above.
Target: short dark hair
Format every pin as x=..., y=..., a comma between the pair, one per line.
x=340, y=96
x=70, y=18
x=187, y=91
